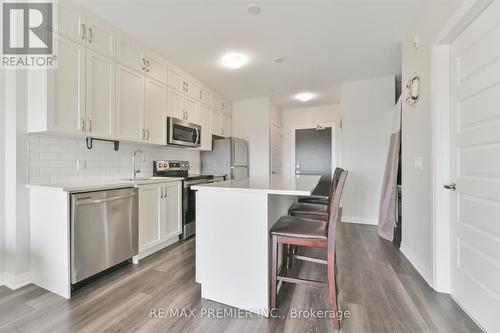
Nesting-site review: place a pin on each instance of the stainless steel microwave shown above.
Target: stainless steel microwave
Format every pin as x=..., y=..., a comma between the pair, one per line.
x=183, y=133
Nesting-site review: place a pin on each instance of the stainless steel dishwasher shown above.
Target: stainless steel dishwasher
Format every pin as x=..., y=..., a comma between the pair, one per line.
x=104, y=230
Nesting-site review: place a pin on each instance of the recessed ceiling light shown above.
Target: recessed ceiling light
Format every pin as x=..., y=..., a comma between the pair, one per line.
x=305, y=96
x=253, y=9
x=278, y=60
x=234, y=60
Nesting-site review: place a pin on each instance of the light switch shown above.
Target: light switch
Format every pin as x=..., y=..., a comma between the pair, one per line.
x=418, y=163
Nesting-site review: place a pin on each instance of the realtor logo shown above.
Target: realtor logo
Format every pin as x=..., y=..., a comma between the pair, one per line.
x=27, y=36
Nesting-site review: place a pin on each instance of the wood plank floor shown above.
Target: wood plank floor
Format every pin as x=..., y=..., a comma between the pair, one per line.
x=377, y=285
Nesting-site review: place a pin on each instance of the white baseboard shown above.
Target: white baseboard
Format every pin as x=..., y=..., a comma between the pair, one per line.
x=359, y=220
x=14, y=282
x=151, y=250
x=424, y=271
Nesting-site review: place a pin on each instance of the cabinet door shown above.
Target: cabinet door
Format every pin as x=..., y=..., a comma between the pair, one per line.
x=71, y=22
x=100, y=36
x=192, y=89
x=216, y=123
x=156, y=68
x=206, y=128
x=225, y=106
x=216, y=102
x=155, y=110
x=130, y=104
x=175, y=78
x=130, y=54
x=172, y=208
x=175, y=104
x=225, y=125
x=150, y=219
x=100, y=95
x=204, y=97
x=191, y=108
x=66, y=109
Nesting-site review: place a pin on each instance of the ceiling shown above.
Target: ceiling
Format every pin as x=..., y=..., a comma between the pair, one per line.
x=323, y=43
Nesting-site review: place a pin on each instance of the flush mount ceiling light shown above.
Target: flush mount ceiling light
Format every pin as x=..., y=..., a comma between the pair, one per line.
x=234, y=60
x=278, y=60
x=253, y=9
x=305, y=96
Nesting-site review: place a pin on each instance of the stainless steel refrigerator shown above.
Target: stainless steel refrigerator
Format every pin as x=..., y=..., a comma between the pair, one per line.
x=229, y=157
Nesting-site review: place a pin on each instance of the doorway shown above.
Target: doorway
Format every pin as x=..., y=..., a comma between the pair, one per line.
x=313, y=155
x=466, y=249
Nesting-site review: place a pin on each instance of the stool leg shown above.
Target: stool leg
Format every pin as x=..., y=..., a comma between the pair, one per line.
x=274, y=279
x=332, y=288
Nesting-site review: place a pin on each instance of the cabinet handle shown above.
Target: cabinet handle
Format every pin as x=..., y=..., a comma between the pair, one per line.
x=147, y=67
x=82, y=124
x=91, y=35
x=84, y=31
x=201, y=94
x=142, y=134
x=147, y=131
x=90, y=124
x=143, y=64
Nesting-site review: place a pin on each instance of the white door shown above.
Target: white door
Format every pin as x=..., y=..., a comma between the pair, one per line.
x=276, y=144
x=150, y=223
x=475, y=156
x=172, y=206
x=100, y=94
x=206, y=128
x=68, y=112
x=129, y=104
x=175, y=102
x=155, y=110
x=101, y=36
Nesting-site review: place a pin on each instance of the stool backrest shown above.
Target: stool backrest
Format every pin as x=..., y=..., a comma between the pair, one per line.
x=333, y=186
x=334, y=209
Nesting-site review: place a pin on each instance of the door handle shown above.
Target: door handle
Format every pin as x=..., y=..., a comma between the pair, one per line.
x=98, y=201
x=451, y=187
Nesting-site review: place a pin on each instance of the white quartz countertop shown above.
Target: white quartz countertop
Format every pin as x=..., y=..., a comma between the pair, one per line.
x=283, y=185
x=105, y=185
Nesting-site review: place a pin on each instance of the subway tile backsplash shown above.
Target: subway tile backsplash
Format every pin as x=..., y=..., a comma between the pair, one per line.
x=62, y=159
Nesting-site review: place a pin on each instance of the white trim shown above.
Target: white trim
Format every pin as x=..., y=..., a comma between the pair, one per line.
x=422, y=269
x=467, y=312
x=440, y=97
x=359, y=220
x=14, y=282
x=156, y=248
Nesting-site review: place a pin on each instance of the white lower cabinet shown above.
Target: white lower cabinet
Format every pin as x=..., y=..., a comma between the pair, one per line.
x=160, y=222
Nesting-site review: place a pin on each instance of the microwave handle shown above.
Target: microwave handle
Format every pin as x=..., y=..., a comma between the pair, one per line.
x=197, y=131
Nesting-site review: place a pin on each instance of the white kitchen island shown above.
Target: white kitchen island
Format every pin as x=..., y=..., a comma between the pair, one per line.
x=233, y=245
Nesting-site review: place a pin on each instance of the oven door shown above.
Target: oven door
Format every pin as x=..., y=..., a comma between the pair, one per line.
x=189, y=207
x=183, y=133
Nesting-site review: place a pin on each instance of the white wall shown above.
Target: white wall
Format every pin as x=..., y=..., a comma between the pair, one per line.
x=251, y=119
x=417, y=138
x=303, y=118
x=367, y=117
x=2, y=173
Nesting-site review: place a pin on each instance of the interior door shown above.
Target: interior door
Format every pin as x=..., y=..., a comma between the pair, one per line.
x=100, y=107
x=155, y=110
x=313, y=155
x=475, y=156
x=276, y=148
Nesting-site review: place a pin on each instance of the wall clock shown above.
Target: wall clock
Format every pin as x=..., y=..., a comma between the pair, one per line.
x=413, y=90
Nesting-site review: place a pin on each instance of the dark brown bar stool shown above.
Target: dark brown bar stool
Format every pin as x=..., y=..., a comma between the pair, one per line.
x=291, y=230
x=322, y=199
x=315, y=209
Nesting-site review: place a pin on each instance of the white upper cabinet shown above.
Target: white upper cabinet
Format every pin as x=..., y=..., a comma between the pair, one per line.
x=100, y=95
x=175, y=107
x=101, y=36
x=129, y=53
x=204, y=119
x=156, y=67
x=129, y=104
x=155, y=110
x=216, y=121
x=226, y=125
x=226, y=106
x=56, y=98
x=191, y=108
x=205, y=96
x=216, y=102
x=71, y=22
x=192, y=88
x=176, y=78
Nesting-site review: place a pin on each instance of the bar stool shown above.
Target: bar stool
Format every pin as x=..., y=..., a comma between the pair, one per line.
x=322, y=199
x=292, y=230
x=314, y=209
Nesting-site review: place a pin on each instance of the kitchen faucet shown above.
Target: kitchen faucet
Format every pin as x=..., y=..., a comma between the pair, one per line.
x=136, y=170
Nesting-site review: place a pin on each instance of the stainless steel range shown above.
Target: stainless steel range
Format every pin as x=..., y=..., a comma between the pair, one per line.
x=181, y=169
